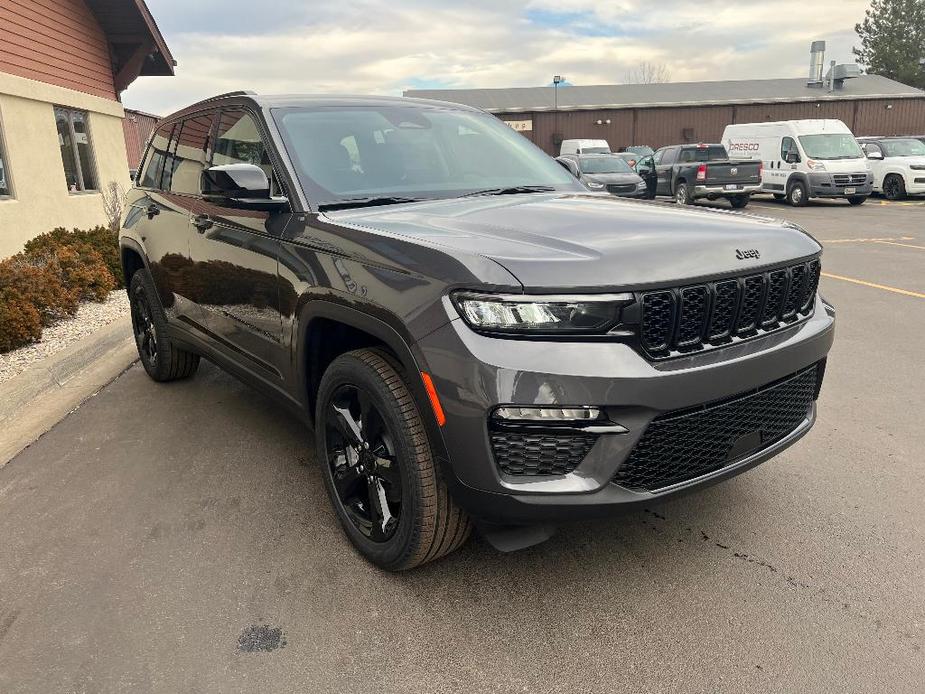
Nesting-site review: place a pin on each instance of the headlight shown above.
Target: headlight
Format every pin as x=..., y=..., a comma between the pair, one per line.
x=550, y=315
x=594, y=185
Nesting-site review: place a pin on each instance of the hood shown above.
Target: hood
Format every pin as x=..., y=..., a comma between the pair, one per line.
x=591, y=241
x=605, y=178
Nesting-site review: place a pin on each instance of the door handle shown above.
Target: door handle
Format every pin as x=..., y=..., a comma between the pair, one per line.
x=152, y=211
x=202, y=222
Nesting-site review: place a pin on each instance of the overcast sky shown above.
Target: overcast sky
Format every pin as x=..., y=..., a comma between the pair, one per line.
x=385, y=46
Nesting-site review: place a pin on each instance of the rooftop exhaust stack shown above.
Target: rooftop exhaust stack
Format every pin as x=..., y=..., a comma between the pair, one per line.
x=816, y=63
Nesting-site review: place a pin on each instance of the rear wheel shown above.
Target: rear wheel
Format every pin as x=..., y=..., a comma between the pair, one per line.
x=378, y=466
x=682, y=195
x=894, y=187
x=857, y=199
x=739, y=201
x=161, y=358
x=796, y=194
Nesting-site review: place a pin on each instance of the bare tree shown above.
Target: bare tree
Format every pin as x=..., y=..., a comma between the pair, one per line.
x=648, y=73
x=113, y=203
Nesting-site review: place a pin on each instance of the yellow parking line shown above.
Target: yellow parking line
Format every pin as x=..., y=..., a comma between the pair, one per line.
x=884, y=238
x=893, y=243
x=875, y=286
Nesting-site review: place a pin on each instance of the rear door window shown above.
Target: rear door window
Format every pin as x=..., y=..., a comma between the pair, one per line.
x=157, y=154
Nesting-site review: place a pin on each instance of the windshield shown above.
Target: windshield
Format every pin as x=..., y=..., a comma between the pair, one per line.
x=831, y=146
x=603, y=165
x=419, y=152
x=903, y=148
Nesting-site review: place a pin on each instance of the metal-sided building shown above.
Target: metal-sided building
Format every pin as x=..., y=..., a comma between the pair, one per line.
x=671, y=113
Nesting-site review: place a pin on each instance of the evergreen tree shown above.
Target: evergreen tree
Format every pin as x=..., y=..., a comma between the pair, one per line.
x=893, y=40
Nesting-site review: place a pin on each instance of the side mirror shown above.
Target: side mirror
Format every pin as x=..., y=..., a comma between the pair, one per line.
x=793, y=158
x=242, y=186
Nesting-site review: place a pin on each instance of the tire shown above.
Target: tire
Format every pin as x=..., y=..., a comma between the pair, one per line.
x=796, y=194
x=363, y=395
x=894, y=187
x=739, y=201
x=682, y=195
x=857, y=200
x=161, y=358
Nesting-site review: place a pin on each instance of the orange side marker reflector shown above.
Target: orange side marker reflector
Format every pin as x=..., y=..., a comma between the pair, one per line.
x=434, y=400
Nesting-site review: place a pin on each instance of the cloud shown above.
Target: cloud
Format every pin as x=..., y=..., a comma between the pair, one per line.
x=380, y=47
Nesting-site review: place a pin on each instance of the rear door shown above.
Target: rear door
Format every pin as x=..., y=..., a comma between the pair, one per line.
x=162, y=223
x=234, y=253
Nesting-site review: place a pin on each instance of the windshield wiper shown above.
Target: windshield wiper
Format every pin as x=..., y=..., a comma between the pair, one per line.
x=347, y=203
x=512, y=190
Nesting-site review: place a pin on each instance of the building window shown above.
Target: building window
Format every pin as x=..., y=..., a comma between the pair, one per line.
x=76, y=152
x=6, y=187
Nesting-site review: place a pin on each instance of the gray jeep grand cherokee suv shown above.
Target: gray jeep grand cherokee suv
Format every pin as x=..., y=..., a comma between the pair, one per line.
x=475, y=337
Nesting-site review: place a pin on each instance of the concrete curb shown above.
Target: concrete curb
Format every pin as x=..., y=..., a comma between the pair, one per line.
x=34, y=401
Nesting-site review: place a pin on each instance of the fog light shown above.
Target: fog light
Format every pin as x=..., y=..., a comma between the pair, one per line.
x=548, y=414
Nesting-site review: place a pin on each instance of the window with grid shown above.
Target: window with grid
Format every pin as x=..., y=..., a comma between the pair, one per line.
x=76, y=149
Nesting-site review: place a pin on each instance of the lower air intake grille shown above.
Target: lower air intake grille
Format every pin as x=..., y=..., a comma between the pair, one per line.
x=539, y=454
x=683, y=445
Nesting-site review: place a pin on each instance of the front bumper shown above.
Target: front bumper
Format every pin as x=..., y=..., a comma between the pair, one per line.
x=825, y=185
x=474, y=373
x=720, y=191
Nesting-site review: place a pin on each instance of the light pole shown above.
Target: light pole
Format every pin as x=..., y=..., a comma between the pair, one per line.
x=555, y=83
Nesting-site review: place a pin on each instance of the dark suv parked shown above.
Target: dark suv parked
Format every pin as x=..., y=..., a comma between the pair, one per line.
x=474, y=336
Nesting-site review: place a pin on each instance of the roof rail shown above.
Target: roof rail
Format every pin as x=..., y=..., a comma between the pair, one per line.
x=240, y=92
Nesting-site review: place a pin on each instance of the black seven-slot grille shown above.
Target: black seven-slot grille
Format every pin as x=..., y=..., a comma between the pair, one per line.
x=675, y=321
x=683, y=445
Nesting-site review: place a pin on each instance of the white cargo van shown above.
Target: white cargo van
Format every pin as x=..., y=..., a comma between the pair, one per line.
x=804, y=159
x=584, y=147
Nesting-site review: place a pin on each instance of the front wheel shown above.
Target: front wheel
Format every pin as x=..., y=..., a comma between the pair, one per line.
x=857, y=199
x=682, y=195
x=378, y=466
x=796, y=194
x=739, y=201
x=894, y=187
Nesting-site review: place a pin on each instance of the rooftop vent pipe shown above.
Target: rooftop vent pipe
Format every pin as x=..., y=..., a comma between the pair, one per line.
x=816, y=63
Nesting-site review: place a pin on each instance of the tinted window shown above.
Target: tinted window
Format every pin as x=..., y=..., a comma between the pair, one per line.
x=710, y=153
x=76, y=155
x=421, y=152
x=191, y=154
x=157, y=153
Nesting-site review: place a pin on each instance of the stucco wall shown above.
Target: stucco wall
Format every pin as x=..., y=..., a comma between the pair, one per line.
x=41, y=200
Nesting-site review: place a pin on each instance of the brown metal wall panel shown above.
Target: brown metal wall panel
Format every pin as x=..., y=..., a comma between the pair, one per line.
x=137, y=128
x=58, y=42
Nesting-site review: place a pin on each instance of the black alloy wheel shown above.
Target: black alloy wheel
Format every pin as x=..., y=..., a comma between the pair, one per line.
x=363, y=463
x=144, y=328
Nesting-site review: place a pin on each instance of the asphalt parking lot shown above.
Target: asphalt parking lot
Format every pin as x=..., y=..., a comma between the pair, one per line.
x=159, y=536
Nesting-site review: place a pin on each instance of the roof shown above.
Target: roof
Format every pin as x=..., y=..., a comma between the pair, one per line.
x=617, y=96
x=138, y=47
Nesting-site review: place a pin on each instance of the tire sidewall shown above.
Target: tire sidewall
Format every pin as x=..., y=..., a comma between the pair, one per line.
x=348, y=369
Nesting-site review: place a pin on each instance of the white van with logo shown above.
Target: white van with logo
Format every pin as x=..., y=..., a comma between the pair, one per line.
x=584, y=147
x=804, y=159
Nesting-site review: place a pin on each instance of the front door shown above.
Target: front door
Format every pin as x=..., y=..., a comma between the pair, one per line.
x=234, y=254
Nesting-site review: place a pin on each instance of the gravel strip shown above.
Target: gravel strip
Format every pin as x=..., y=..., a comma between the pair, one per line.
x=89, y=318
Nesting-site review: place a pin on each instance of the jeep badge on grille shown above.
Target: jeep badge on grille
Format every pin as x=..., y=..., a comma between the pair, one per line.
x=748, y=253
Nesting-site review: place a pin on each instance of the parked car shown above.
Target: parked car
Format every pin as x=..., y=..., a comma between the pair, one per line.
x=584, y=147
x=691, y=172
x=804, y=159
x=605, y=172
x=898, y=165
x=475, y=337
